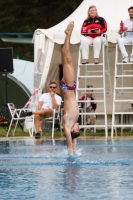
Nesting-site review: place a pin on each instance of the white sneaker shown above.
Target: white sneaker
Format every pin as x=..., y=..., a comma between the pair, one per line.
x=125, y=60
x=131, y=59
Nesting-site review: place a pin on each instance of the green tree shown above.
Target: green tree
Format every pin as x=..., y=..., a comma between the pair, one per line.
x=26, y=16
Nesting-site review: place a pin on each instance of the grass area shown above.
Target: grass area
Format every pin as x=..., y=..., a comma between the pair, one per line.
x=99, y=133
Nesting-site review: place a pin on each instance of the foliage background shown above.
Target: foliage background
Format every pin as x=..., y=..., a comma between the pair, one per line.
x=25, y=16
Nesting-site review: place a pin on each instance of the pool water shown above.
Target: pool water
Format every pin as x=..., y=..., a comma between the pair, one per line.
x=41, y=169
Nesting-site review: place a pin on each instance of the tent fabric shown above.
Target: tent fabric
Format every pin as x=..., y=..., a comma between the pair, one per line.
x=24, y=72
x=48, y=44
x=17, y=92
x=45, y=40
x=113, y=11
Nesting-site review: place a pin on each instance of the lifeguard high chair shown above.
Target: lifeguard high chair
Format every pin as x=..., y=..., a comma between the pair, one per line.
x=88, y=72
x=123, y=93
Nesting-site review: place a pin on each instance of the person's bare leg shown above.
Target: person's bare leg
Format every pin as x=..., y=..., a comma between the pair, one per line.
x=37, y=119
x=68, y=71
x=88, y=120
x=43, y=112
x=68, y=78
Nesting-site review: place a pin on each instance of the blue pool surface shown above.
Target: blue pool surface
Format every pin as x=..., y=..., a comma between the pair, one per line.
x=42, y=170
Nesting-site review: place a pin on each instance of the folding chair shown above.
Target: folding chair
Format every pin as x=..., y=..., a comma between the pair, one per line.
x=16, y=115
x=51, y=119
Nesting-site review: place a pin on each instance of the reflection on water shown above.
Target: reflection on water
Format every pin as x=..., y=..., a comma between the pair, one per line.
x=41, y=169
x=71, y=177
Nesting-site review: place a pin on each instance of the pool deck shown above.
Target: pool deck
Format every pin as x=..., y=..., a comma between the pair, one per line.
x=63, y=138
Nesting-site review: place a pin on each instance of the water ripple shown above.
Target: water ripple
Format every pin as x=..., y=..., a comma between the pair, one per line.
x=58, y=163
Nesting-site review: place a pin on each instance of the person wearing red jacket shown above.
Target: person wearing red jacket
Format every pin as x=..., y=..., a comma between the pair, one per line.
x=91, y=31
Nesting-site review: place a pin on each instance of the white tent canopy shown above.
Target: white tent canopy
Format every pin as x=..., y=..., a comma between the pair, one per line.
x=24, y=73
x=113, y=11
x=48, y=42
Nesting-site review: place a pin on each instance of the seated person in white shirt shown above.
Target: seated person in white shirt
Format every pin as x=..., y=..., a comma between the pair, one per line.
x=47, y=102
x=128, y=39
